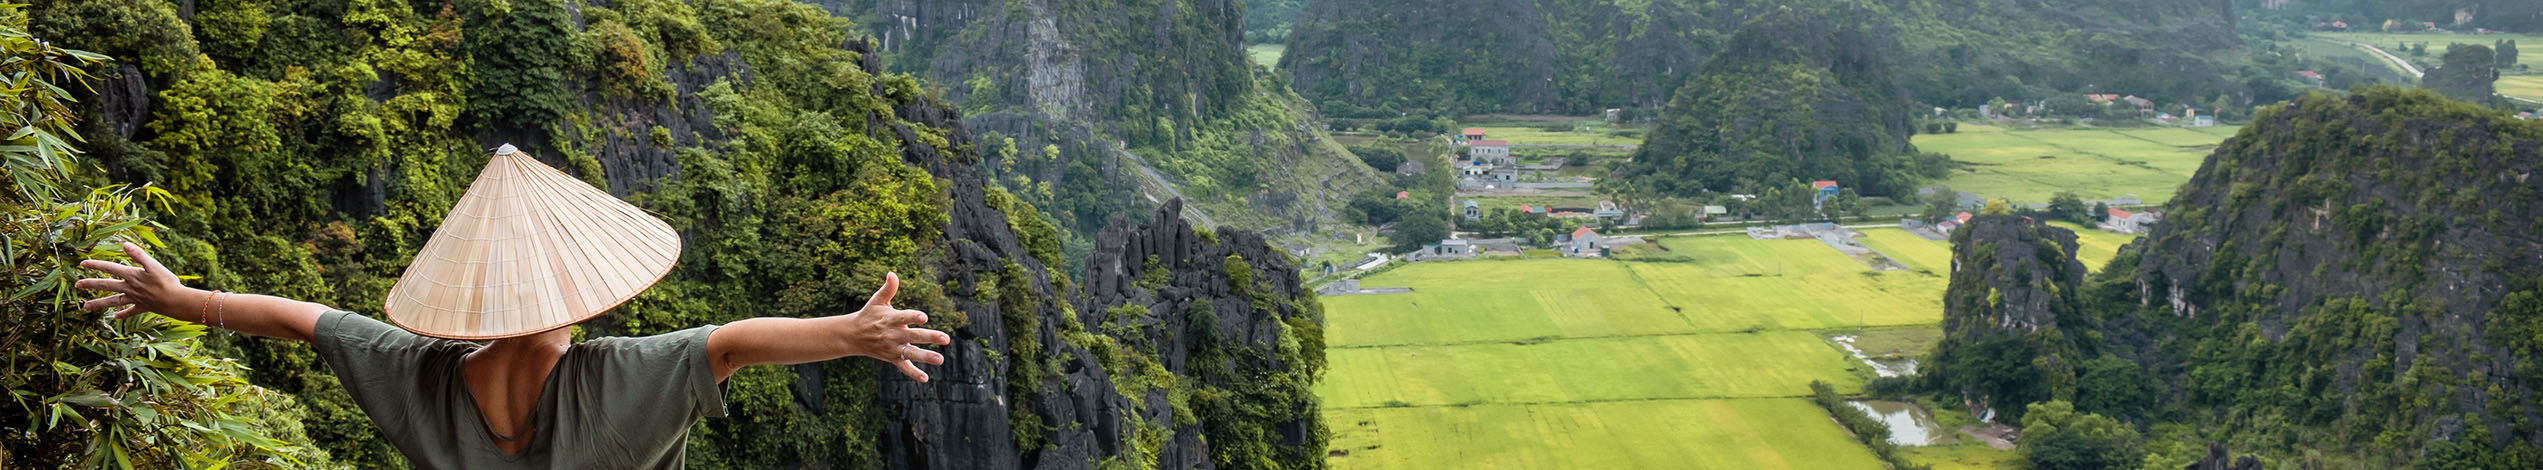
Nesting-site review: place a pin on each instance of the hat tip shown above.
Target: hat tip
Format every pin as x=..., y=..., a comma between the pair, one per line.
x=506, y=149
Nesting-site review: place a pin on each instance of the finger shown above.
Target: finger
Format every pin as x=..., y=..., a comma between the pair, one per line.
x=108, y=285
x=117, y=300
x=912, y=317
x=927, y=336
x=129, y=312
x=891, y=286
x=911, y=370
x=922, y=355
x=112, y=268
x=152, y=265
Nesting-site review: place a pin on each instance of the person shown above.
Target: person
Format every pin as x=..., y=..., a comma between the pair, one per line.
x=528, y=396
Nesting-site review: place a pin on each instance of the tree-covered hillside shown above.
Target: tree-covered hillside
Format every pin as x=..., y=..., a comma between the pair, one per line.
x=1370, y=58
x=2371, y=14
x=1116, y=105
x=310, y=146
x=2349, y=282
x=1791, y=98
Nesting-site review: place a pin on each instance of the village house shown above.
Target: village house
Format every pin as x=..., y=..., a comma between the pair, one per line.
x=1584, y=243
x=1823, y=190
x=2311, y=77
x=1411, y=167
x=1448, y=249
x=1474, y=212
x=1504, y=175
x=2144, y=106
x=1490, y=152
x=1471, y=134
x=2120, y=221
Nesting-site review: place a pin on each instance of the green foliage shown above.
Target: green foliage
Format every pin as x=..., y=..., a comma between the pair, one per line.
x=2112, y=386
x=2468, y=74
x=89, y=392
x=2067, y=206
x=1381, y=158
x=1413, y=230
x=1770, y=109
x=1870, y=432
x=2056, y=437
x=516, y=52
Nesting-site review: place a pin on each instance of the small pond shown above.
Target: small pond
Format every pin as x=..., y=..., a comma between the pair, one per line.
x=1910, y=425
x=1885, y=367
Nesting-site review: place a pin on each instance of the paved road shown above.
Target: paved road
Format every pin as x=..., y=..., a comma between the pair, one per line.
x=2397, y=60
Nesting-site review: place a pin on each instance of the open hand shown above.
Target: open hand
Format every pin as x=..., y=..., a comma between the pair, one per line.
x=882, y=332
x=149, y=288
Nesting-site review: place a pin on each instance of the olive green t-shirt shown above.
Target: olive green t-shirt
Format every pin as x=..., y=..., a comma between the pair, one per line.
x=614, y=403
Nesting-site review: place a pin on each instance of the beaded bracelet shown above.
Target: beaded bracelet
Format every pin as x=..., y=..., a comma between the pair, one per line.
x=222, y=307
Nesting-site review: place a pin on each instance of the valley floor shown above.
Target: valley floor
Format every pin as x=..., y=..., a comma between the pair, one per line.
x=1695, y=355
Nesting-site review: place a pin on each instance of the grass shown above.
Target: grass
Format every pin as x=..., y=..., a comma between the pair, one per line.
x=1784, y=433
x=1266, y=55
x=2027, y=166
x=1907, y=248
x=2525, y=86
x=1695, y=356
x=1913, y=341
x=1968, y=455
x=1583, y=135
x=1626, y=368
x=2093, y=246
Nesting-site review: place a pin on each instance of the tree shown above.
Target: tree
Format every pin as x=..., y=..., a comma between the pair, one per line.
x=1381, y=158
x=1415, y=229
x=2056, y=437
x=2467, y=74
x=1943, y=202
x=1996, y=207
x=2101, y=212
x=133, y=392
x=2065, y=205
x=2115, y=387
x=2506, y=51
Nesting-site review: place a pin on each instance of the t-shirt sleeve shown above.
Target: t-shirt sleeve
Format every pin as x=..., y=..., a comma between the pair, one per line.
x=379, y=364
x=660, y=381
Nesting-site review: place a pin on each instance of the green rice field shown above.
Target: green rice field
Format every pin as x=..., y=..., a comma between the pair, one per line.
x=1697, y=355
x=2028, y=166
x=2095, y=247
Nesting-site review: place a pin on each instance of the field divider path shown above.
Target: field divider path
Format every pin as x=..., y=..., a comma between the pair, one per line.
x=1553, y=339
x=1645, y=284
x=1574, y=402
x=2104, y=157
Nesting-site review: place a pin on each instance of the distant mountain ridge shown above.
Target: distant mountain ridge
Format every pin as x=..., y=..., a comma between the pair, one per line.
x=1366, y=58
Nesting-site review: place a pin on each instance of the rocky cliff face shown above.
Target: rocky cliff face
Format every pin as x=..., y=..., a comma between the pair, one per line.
x=797, y=169
x=2386, y=239
x=2010, y=276
x=1154, y=100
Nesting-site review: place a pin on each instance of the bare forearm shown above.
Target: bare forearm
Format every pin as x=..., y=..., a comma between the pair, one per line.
x=151, y=288
x=877, y=331
x=777, y=341
x=265, y=315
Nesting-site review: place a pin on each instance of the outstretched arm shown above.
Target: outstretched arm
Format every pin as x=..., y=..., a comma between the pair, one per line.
x=152, y=288
x=877, y=331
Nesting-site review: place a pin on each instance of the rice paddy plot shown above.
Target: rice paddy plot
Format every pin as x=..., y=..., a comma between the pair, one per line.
x=1914, y=251
x=1739, y=255
x=1702, y=366
x=2095, y=163
x=1471, y=301
x=1861, y=298
x=2093, y=246
x=1782, y=433
x=1968, y=455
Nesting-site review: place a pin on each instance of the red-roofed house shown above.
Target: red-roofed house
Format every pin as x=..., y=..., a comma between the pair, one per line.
x=1473, y=133
x=1963, y=217
x=1584, y=244
x=2126, y=222
x=2311, y=75
x=2104, y=98
x=1826, y=190
x=1403, y=194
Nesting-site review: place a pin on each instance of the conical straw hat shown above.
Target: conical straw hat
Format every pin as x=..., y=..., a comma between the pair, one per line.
x=529, y=249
